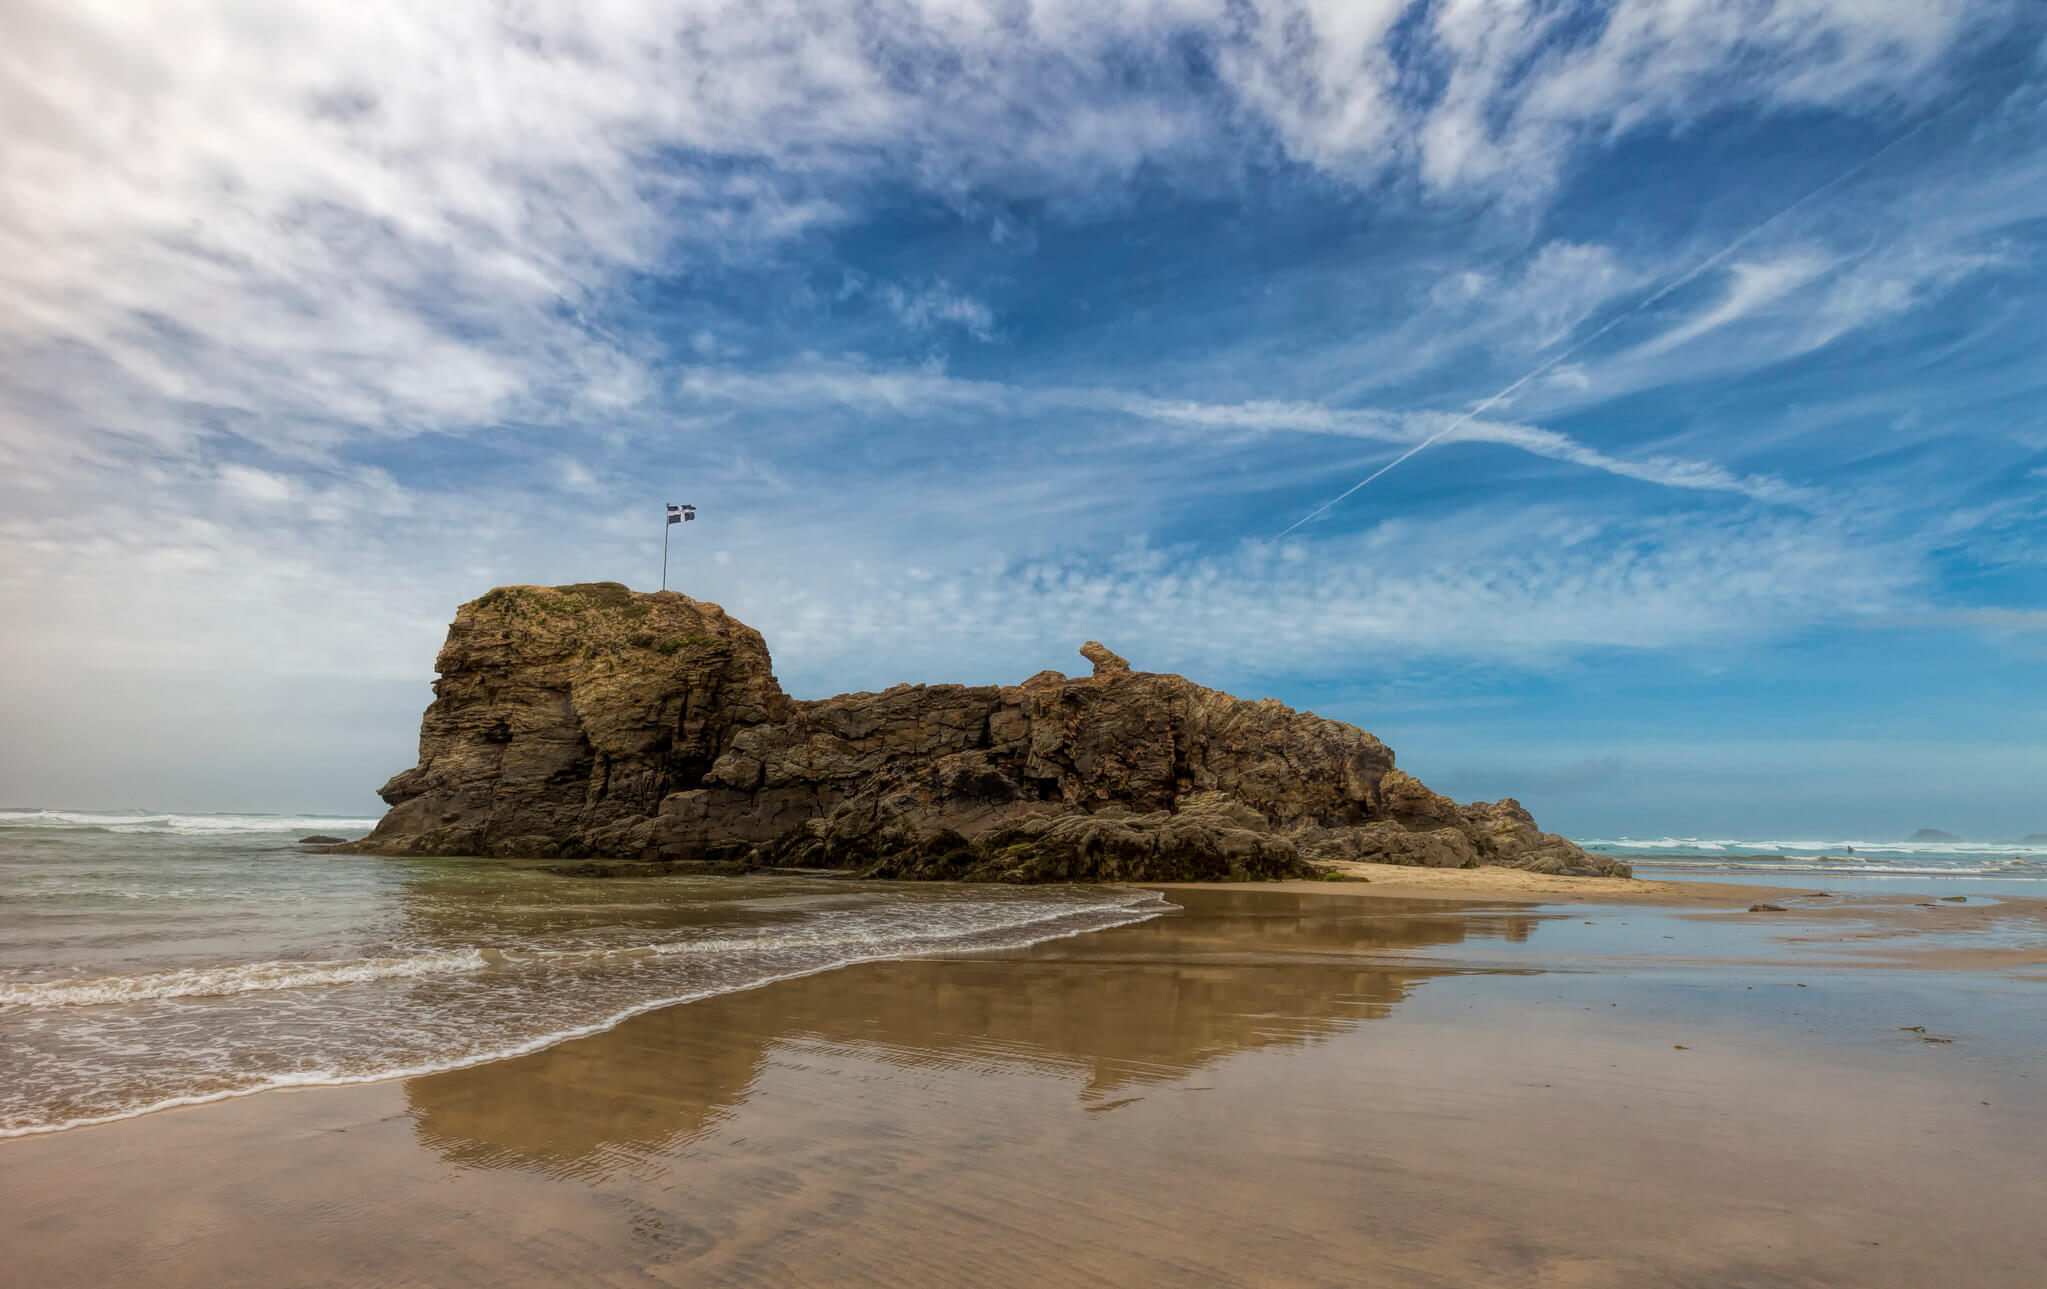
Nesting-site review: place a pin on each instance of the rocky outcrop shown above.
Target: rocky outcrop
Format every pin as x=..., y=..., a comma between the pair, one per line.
x=593, y=722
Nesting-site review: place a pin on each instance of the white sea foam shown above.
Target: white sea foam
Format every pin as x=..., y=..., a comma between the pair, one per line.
x=238, y=978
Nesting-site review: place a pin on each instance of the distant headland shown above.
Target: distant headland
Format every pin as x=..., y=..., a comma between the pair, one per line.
x=591, y=722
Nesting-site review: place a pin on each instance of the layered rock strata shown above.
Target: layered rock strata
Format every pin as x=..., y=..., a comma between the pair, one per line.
x=594, y=722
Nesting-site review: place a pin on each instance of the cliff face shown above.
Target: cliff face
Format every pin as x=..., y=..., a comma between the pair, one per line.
x=593, y=721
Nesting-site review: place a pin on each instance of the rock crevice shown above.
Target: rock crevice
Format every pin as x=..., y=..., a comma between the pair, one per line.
x=593, y=722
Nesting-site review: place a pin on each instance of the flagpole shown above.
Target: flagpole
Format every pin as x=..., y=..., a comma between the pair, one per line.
x=676, y=515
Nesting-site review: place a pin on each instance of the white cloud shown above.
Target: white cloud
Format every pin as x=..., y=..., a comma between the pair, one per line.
x=255, y=485
x=1517, y=97
x=1753, y=286
x=939, y=304
x=1559, y=289
x=1492, y=94
x=572, y=475
x=1890, y=282
x=1320, y=73
x=1554, y=290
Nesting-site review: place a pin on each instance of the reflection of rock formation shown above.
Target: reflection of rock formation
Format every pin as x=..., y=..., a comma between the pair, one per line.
x=493, y=905
x=1145, y=1003
x=590, y=721
x=584, y=1107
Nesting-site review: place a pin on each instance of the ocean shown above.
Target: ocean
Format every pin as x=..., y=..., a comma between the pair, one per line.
x=1899, y=867
x=154, y=960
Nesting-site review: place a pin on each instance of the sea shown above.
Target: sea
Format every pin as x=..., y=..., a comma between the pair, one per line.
x=151, y=960
x=1985, y=868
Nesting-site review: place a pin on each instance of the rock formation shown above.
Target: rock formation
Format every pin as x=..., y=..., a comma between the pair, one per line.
x=594, y=722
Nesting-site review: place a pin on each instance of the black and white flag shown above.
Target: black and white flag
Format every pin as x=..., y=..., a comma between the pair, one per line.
x=681, y=514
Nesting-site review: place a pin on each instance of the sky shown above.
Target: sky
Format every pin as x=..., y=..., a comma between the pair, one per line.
x=977, y=329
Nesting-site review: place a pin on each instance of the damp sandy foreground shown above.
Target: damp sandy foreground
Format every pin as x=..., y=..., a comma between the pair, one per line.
x=1356, y=1085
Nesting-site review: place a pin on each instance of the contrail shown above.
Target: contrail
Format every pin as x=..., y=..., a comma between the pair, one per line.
x=1659, y=294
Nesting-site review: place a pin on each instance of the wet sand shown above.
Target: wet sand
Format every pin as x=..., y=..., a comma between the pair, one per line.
x=1509, y=884
x=1905, y=930
x=1273, y=1087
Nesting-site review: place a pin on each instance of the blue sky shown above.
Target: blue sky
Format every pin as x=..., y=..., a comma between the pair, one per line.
x=978, y=329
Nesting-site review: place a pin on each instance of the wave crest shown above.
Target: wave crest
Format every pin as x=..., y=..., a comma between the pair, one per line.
x=143, y=821
x=240, y=978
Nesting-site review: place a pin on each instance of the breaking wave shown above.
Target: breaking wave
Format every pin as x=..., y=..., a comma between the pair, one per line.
x=142, y=821
x=240, y=978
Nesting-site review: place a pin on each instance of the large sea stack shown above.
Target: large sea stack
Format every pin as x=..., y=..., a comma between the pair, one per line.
x=592, y=722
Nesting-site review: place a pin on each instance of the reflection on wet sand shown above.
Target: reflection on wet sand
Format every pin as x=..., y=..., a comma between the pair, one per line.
x=1149, y=1003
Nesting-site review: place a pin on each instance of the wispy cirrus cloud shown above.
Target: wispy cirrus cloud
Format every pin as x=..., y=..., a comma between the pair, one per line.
x=938, y=305
x=1752, y=285
x=390, y=221
x=1522, y=588
x=919, y=393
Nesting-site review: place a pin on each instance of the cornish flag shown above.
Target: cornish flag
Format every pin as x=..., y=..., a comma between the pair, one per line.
x=680, y=514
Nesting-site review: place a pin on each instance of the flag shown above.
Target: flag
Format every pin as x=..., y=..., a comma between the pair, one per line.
x=681, y=514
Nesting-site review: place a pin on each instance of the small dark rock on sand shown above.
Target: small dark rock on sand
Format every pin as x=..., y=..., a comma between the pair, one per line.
x=1766, y=908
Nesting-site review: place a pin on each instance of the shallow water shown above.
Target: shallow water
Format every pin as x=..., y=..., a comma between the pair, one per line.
x=152, y=960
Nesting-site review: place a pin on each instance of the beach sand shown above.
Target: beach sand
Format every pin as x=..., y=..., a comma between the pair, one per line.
x=1465, y=1080
x=1396, y=881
